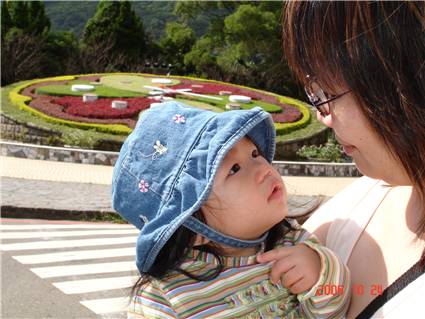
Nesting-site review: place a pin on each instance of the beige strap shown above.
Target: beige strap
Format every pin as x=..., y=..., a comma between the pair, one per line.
x=344, y=233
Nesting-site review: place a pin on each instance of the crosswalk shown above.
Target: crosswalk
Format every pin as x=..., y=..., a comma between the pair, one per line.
x=91, y=261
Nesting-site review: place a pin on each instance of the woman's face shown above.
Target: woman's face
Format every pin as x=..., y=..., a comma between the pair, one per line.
x=359, y=141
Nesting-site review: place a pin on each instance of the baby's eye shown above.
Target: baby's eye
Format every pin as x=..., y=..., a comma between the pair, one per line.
x=255, y=153
x=235, y=168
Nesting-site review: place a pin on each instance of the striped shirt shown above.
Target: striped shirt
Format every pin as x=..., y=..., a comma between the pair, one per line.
x=243, y=289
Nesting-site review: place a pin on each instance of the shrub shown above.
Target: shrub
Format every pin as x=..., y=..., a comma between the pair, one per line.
x=329, y=152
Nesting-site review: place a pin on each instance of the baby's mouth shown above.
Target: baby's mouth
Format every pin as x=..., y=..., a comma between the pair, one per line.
x=276, y=192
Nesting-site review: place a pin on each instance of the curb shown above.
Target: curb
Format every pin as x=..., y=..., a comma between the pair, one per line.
x=8, y=211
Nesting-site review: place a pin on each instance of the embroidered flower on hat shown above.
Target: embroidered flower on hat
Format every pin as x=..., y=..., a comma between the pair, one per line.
x=178, y=118
x=143, y=186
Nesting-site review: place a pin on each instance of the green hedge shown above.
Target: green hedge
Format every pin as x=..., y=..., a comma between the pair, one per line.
x=22, y=101
x=283, y=128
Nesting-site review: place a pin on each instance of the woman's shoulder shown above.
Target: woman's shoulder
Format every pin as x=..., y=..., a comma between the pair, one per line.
x=365, y=194
x=341, y=205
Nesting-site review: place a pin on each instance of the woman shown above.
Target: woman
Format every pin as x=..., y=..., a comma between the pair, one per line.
x=362, y=64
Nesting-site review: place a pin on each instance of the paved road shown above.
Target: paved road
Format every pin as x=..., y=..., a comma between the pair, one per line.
x=57, y=269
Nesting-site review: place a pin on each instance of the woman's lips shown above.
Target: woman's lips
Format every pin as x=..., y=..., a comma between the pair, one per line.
x=348, y=149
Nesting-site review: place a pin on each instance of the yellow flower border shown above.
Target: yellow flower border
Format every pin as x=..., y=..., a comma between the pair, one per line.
x=22, y=101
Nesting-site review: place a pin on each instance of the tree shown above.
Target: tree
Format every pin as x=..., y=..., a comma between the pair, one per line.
x=25, y=27
x=6, y=20
x=21, y=57
x=118, y=31
x=177, y=41
x=29, y=16
x=38, y=22
x=202, y=59
x=243, y=44
x=19, y=12
x=61, y=54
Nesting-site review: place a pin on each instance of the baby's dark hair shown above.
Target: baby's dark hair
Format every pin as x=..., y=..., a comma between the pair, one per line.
x=176, y=249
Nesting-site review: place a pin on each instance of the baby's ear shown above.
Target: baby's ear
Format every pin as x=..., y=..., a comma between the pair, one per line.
x=200, y=240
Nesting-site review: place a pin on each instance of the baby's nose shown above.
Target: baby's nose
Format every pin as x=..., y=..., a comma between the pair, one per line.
x=262, y=172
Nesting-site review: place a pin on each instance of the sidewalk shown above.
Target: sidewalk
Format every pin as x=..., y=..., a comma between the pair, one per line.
x=58, y=190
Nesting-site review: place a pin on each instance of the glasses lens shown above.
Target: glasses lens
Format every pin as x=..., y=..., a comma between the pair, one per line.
x=318, y=92
x=316, y=96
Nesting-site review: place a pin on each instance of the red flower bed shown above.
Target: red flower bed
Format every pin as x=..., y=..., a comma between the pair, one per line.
x=46, y=105
x=215, y=88
x=100, y=111
x=289, y=114
x=101, y=108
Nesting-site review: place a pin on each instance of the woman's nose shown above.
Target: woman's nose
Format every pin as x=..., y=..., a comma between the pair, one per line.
x=327, y=120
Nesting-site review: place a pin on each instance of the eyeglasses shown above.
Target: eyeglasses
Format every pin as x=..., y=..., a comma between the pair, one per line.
x=319, y=98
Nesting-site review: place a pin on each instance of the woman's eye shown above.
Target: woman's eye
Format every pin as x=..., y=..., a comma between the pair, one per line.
x=255, y=153
x=235, y=168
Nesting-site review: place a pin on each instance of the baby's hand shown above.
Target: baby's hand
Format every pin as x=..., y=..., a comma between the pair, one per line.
x=298, y=267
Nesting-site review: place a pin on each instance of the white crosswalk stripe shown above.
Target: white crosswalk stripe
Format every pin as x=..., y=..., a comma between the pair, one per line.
x=74, y=255
x=62, y=226
x=79, y=259
x=91, y=285
x=105, y=306
x=84, y=269
x=21, y=235
x=68, y=243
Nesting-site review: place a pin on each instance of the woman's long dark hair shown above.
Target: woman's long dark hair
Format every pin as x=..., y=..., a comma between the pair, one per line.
x=175, y=251
x=376, y=48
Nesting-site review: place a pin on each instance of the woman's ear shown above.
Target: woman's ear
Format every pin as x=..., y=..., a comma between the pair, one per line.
x=200, y=240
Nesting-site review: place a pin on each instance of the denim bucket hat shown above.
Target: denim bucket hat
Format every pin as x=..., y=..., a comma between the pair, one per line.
x=167, y=165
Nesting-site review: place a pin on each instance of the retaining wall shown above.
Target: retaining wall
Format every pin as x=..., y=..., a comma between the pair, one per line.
x=74, y=155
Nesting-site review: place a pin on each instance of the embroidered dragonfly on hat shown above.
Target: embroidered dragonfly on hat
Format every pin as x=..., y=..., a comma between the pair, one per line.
x=159, y=148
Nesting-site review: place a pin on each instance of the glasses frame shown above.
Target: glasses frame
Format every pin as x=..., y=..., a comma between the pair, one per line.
x=322, y=106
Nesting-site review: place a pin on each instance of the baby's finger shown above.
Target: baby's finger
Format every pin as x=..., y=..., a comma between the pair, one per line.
x=274, y=254
x=291, y=277
x=299, y=287
x=279, y=268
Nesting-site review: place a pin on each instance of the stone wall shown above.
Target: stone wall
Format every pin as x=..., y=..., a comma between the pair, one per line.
x=288, y=150
x=13, y=130
x=74, y=155
x=27, y=132
x=286, y=168
x=60, y=154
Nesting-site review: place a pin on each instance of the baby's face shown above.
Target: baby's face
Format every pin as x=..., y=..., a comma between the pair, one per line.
x=248, y=197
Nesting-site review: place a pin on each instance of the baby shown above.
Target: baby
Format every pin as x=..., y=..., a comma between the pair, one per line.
x=201, y=188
